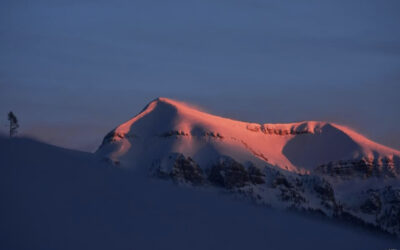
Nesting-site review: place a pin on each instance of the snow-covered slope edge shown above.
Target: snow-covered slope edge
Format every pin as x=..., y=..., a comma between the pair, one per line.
x=53, y=198
x=309, y=166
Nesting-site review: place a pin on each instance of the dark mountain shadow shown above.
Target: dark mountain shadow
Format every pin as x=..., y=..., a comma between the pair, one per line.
x=310, y=150
x=55, y=198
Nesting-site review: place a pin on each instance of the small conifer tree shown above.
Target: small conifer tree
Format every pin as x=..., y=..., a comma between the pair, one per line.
x=13, y=124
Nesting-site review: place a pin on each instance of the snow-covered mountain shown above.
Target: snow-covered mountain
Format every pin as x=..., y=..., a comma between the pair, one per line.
x=166, y=126
x=312, y=166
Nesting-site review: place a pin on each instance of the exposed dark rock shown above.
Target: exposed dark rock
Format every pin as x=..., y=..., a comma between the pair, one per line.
x=391, y=195
x=362, y=168
x=187, y=170
x=229, y=174
x=288, y=191
x=281, y=180
x=183, y=169
x=390, y=216
x=213, y=134
x=288, y=194
x=111, y=137
x=299, y=183
x=372, y=204
x=174, y=132
x=255, y=175
x=390, y=219
x=300, y=192
x=253, y=127
x=220, y=136
x=279, y=131
x=324, y=190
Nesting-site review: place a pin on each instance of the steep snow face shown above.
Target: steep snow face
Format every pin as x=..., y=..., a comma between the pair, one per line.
x=167, y=126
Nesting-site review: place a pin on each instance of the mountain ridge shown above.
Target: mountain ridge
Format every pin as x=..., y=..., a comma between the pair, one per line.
x=278, y=143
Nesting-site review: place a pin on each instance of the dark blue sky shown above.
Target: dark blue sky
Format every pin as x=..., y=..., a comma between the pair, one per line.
x=73, y=70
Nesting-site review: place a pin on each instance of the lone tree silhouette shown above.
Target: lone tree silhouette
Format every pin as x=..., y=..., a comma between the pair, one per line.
x=13, y=123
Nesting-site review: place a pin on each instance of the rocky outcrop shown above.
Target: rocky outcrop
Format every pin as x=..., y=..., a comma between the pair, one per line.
x=372, y=204
x=229, y=174
x=115, y=136
x=280, y=180
x=377, y=208
x=269, y=129
x=388, y=216
x=226, y=172
x=256, y=175
x=323, y=189
x=362, y=168
x=183, y=170
x=174, y=132
x=111, y=137
x=183, y=133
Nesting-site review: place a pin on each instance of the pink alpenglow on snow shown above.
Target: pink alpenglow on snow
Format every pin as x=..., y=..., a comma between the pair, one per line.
x=167, y=126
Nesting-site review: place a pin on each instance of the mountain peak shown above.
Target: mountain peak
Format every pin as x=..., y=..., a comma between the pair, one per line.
x=165, y=102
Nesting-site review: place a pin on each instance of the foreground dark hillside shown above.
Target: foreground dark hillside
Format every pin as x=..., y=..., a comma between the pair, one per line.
x=54, y=198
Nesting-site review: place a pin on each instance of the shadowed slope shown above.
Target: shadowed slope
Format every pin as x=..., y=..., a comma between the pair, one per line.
x=331, y=144
x=54, y=198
